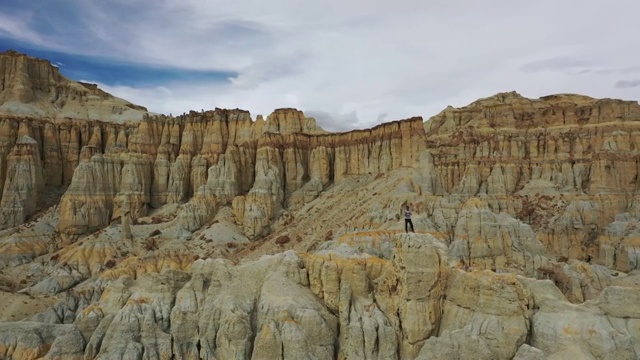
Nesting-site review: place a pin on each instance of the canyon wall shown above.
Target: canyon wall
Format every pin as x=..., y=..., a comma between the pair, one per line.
x=568, y=165
x=212, y=235
x=33, y=87
x=113, y=169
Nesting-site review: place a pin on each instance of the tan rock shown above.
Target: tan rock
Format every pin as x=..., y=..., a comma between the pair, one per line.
x=161, y=170
x=484, y=240
x=198, y=211
x=266, y=197
x=88, y=203
x=540, y=188
x=8, y=137
x=492, y=307
x=53, y=159
x=288, y=121
x=33, y=87
x=133, y=195
x=23, y=185
x=29, y=340
x=224, y=178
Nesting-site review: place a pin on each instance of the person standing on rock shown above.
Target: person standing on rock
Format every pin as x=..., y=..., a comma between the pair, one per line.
x=407, y=220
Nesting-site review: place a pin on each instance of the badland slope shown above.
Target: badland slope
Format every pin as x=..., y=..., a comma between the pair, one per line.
x=35, y=88
x=215, y=236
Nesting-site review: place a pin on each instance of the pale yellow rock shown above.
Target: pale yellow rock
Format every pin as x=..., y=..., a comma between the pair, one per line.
x=179, y=184
x=224, y=178
x=581, y=147
x=484, y=240
x=198, y=211
x=33, y=87
x=541, y=188
x=408, y=290
x=88, y=203
x=289, y=121
x=133, y=195
x=23, y=184
x=489, y=306
x=161, y=171
x=265, y=199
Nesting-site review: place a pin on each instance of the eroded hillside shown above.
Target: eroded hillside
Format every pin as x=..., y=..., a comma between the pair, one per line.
x=210, y=235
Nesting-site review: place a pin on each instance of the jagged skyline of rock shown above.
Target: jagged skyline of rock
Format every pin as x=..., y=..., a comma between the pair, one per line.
x=210, y=235
x=363, y=65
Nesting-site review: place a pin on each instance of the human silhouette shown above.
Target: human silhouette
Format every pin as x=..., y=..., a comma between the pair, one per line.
x=407, y=220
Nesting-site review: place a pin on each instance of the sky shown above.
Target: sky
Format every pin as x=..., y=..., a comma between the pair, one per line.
x=351, y=64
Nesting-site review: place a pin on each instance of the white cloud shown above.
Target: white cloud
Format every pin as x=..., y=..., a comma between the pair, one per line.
x=18, y=27
x=627, y=84
x=354, y=63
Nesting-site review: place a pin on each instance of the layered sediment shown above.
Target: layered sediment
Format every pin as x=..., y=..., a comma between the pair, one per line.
x=565, y=164
x=213, y=235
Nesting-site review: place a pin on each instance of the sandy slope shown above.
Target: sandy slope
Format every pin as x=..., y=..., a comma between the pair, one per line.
x=14, y=307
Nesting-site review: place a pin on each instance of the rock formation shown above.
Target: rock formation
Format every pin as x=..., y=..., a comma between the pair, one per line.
x=33, y=87
x=565, y=164
x=401, y=299
x=210, y=235
x=23, y=183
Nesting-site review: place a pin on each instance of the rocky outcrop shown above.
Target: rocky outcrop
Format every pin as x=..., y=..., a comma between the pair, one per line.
x=271, y=172
x=24, y=182
x=376, y=297
x=526, y=213
x=619, y=246
x=35, y=88
x=88, y=202
x=164, y=160
x=296, y=168
x=366, y=295
x=485, y=240
x=565, y=164
x=493, y=148
x=28, y=340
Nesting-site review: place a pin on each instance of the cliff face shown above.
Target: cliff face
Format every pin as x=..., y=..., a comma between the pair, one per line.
x=114, y=169
x=566, y=164
x=24, y=183
x=225, y=153
x=526, y=213
x=33, y=87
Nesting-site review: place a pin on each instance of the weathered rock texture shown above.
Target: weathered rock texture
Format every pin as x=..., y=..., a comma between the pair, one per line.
x=118, y=169
x=565, y=164
x=33, y=87
x=401, y=298
x=23, y=185
x=526, y=212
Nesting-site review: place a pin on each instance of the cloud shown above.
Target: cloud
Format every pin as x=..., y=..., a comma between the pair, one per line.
x=336, y=122
x=625, y=70
x=108, y=71
x=561, y=64
x=623, y=84
x=346, y=62
x=18, y=28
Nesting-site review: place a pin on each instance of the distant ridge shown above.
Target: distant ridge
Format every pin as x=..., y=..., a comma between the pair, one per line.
x=33, y=87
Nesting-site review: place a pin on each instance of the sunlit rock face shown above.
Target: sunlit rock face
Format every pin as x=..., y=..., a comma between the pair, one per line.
x=33, y=87
x=212, y=235
x=24, y=183
x=565, y=164
x=399, y=291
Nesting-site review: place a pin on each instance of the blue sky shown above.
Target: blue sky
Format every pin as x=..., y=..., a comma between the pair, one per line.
x=349, y=63
x=114, y=72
